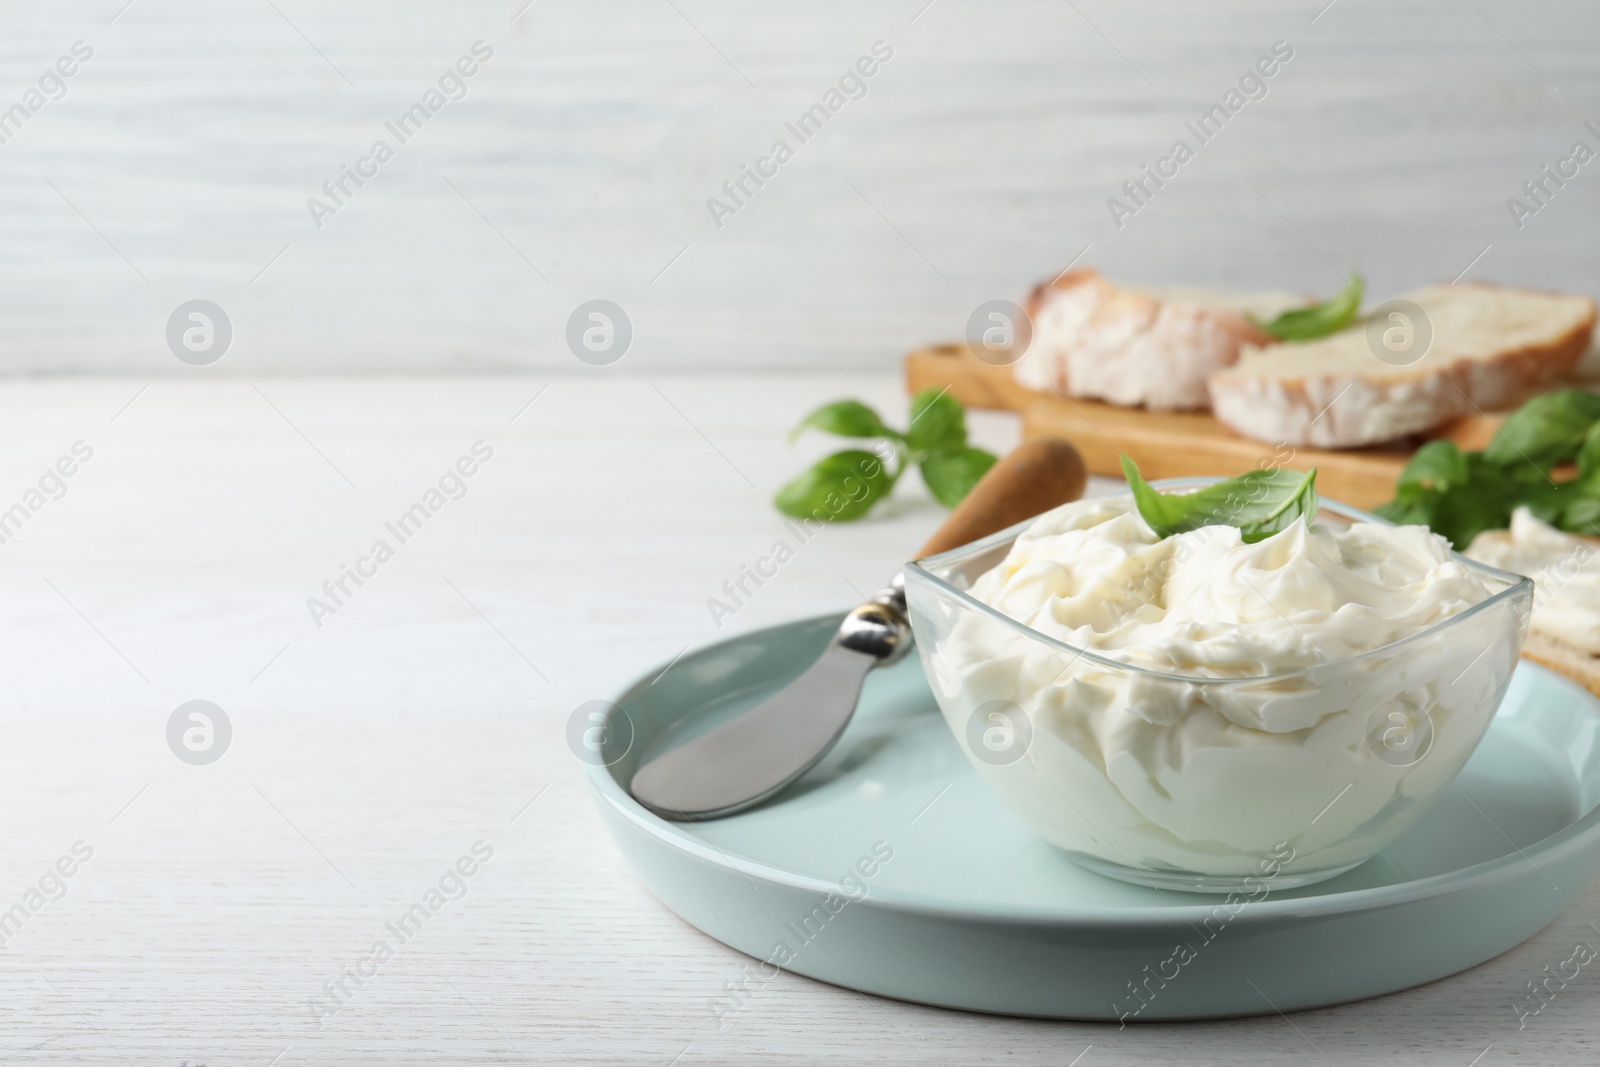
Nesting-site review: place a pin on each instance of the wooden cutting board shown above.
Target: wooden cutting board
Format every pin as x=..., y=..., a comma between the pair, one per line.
x=1171, y=444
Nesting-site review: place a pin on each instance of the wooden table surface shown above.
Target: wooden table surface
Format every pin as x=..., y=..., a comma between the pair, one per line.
x=424, y=718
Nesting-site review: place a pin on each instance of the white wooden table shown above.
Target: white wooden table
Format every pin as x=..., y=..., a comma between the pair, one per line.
x=428, y=713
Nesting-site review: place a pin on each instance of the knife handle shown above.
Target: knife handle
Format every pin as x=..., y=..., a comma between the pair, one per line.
x=1031, y=479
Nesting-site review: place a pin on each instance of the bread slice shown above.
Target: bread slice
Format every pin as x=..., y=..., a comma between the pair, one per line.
x=1135, y=347
x=1565, y=660
x=1492, y=347
x=1531, y=545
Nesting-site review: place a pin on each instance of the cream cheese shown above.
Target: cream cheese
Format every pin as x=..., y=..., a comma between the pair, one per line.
x=1093, y=575
x=1198, y=768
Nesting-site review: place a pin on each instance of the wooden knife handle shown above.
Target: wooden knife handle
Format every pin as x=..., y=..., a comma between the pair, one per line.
x=1033, y=478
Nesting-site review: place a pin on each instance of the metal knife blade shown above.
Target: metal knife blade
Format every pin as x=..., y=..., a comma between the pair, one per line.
x=748, y=759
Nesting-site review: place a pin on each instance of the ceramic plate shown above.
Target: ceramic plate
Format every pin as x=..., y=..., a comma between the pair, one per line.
x=890, y=868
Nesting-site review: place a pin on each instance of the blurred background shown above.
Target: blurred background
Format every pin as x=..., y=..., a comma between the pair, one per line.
x=177, y=162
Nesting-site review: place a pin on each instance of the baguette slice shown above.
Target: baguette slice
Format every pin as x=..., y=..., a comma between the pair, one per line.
x=1565, y=660
x=1492, y=348
x=1562, y=568
x=1153, y=348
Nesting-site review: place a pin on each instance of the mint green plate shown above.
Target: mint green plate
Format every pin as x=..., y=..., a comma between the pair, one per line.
x=891, y=869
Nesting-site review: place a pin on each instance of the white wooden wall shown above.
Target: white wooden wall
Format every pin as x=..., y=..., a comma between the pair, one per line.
x=179, y=162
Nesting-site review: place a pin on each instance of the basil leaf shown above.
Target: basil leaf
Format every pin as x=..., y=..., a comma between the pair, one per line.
x=1460, y=494
x=950, y=476
x=1319, y=320
x=847, y=418
x=1462, y=515
x=1572, y=505
x=1547, y=430
x=838, y=488
x=1259, y=503
x=1413, y=506
x=938, y=423
x=1589, y=454
x=1581, y=515
x=1474, y=496
x=1437, y=465
x=1547, y=502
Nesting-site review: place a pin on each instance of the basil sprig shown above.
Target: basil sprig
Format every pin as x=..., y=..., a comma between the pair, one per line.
x=1547, y=430
x=1260, y=503
x=1460, y=494
x=844, y=486
x=1319, y=320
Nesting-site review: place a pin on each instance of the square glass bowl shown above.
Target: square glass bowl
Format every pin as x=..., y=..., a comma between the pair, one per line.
x=1206, y=798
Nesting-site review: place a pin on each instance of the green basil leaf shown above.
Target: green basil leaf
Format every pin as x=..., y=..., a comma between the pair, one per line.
x=1581, y=515
x=1437, y=465
x=838, y=488
x=1319, y=320
x=938, y=423
x=1525, y=478
x=1589, y=454
x=1459, y=494
x=1461, y=515
x=1547, y=430
x=1259, y=503
x=950, y=476
x=1410, y=507
x=1573, y=505
x=1547, y=502
x=847, y=418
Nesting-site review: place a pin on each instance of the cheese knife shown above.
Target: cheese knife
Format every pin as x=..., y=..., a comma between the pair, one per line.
x=750, y=758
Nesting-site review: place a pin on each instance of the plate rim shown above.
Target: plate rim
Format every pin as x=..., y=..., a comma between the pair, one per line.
x=1580, y=833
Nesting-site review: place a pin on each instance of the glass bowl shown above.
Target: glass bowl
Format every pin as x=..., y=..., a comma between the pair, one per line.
x=1211, y=800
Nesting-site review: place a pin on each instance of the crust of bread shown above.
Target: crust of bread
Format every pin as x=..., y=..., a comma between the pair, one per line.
x=1067, y=279
x=1374, y=408
x=1130, y=347
x=1565, y=660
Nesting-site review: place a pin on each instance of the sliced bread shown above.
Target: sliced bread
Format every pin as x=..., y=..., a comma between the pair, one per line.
x=1492, y=347
x=1562, y=632
x=1136, y=347
x=1565, y=660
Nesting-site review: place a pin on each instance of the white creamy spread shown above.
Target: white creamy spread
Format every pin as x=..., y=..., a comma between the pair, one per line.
x=1210, y=772
x=1565, y=572
x=1093, y=575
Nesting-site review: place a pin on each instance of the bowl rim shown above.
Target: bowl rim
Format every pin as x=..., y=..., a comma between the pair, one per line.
x=918, y=570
